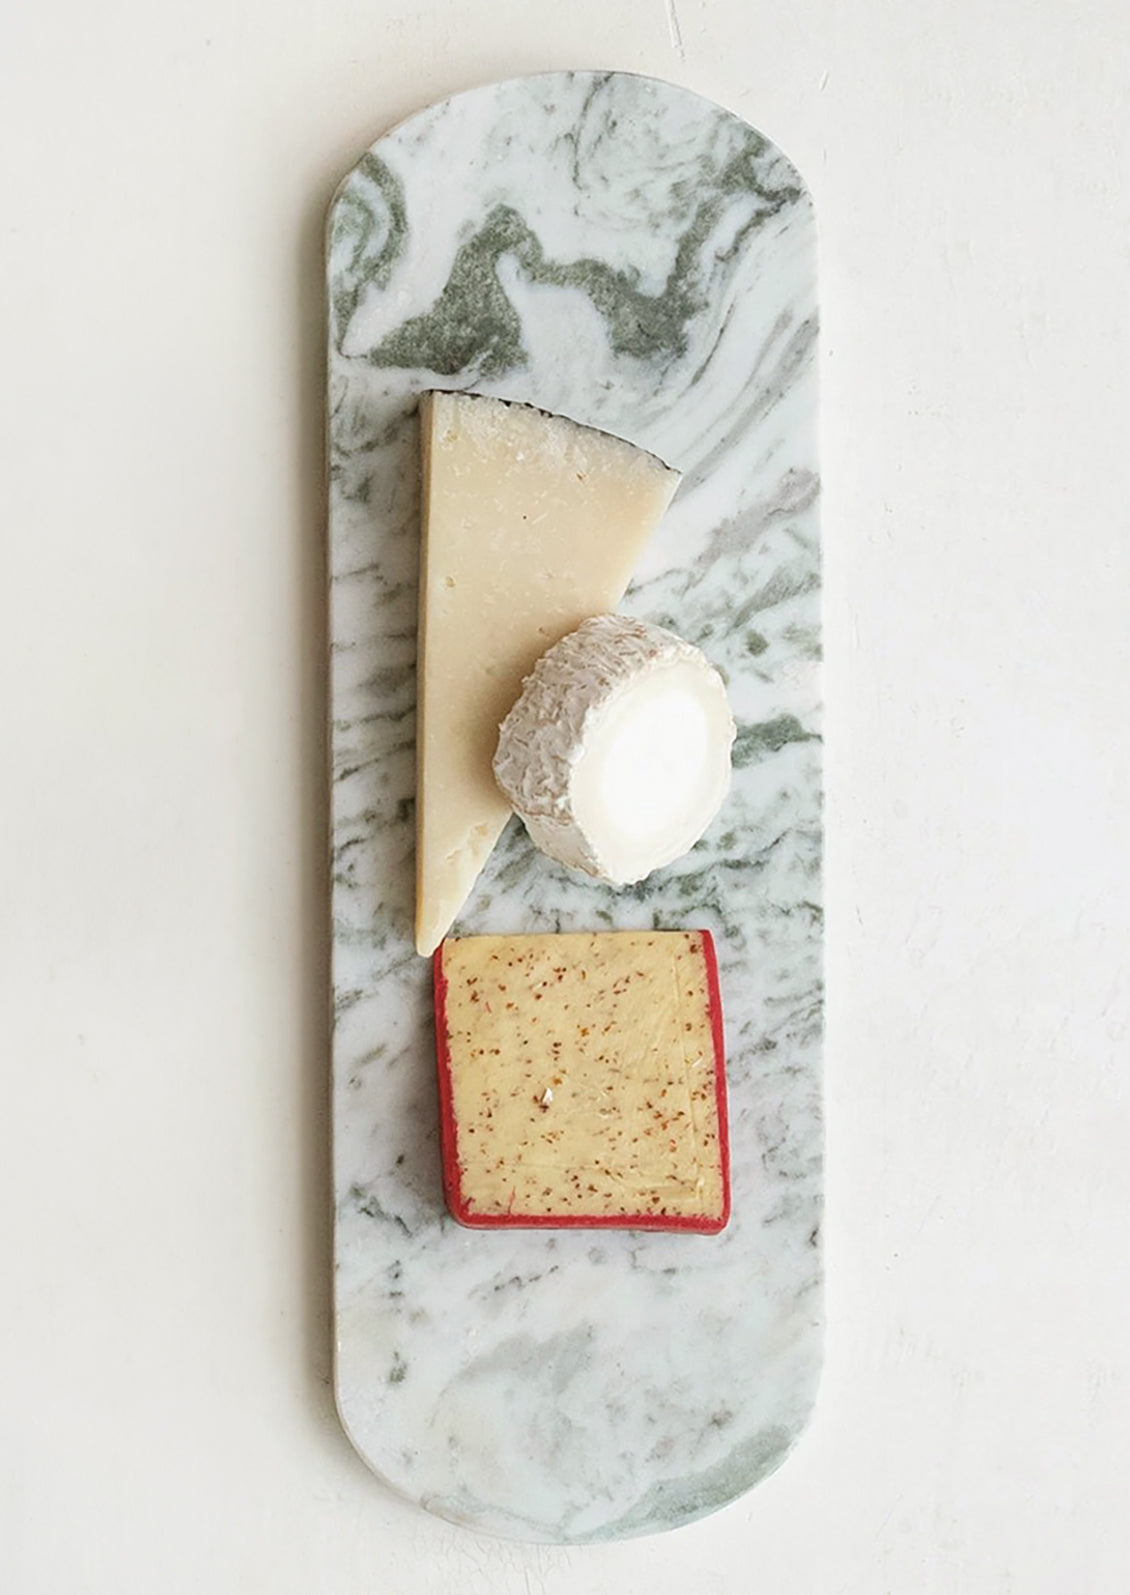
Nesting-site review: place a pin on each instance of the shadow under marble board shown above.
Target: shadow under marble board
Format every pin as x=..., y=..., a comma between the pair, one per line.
x=626, y=253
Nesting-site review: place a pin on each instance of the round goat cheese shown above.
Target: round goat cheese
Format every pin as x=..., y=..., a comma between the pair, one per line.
x=617, y=753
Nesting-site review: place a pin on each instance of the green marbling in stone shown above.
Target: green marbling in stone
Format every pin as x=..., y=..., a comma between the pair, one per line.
x=372, y=219
x=755, y=741
x=473, y=327
x=676, y=1501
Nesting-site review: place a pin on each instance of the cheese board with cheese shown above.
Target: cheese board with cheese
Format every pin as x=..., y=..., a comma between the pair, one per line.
x=572, y=375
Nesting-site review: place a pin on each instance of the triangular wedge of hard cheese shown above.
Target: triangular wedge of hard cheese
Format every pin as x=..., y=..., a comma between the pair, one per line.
x=531, y=523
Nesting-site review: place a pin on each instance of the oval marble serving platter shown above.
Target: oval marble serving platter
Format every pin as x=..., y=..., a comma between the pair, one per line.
x=626, y=253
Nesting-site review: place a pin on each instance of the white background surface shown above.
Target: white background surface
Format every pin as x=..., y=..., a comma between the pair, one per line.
x=166, y=1422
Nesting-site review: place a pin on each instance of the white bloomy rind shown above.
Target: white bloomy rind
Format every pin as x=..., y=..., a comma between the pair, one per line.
x=617, y=753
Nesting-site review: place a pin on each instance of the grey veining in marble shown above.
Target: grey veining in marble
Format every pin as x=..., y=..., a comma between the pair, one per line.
x=626, y=253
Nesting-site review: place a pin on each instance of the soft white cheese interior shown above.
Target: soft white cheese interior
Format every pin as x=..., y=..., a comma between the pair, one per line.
x=654, y=770
x=617, y=753
x=530, y=523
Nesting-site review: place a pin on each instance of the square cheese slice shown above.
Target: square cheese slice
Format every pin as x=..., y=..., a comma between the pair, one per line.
x=582, y=1080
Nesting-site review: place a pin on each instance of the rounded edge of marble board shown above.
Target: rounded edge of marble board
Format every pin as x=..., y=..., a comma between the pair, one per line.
x=493, y=84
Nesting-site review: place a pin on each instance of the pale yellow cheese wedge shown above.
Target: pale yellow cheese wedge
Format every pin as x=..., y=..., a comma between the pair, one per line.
x=530, y=524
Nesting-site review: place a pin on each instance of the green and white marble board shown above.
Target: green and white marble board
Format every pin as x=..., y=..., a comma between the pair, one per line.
x=629, y=254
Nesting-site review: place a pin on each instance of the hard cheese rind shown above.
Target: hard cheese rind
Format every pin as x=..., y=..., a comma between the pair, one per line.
x=582, y=1080
x=531, y=523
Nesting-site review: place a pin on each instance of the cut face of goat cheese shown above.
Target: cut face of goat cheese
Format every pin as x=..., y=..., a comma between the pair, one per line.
x=582, y=1080
x=617, y=753
x=530, y=523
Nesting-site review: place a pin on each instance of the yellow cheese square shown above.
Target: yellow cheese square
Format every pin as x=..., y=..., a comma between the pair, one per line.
x=582, y=1080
